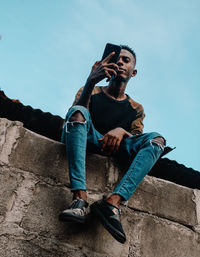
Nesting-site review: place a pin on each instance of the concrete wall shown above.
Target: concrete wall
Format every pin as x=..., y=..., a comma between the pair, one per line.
x=162, y=219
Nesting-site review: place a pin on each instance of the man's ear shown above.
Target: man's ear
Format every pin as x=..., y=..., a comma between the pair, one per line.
x=134, y=73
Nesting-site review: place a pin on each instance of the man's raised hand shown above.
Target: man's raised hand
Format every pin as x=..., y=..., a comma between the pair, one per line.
x=103, y=69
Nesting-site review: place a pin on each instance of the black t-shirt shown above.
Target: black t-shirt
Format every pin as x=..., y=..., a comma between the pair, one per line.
x=108, y=113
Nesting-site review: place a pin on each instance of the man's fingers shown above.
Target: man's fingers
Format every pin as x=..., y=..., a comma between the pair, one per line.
x=107, y=59
x=117, y=144
x=108, y=75
x=112, y=72
x=111, y=147
x=112, y=65
x=106, y=144
x=95, y=65
x=105, y=140
x=110, y=144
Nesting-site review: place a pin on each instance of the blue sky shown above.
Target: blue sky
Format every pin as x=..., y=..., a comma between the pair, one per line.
x=47, y=49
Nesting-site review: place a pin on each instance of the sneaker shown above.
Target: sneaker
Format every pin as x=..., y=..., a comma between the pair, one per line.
x=109, y=215
x=78, y=212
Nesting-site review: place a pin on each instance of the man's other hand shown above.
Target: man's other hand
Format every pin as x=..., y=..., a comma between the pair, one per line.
x=103, y=69
x=112, y=140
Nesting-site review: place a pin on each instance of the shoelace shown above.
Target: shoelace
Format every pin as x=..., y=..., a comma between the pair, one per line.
x=75, y=203
x=81, y=212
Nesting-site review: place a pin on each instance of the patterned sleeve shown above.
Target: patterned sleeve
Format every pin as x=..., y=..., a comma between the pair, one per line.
x=77, y=95
x=96, y=90
x=137, y=124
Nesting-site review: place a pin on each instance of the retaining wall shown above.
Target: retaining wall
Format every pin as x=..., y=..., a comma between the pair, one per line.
x=162, y=219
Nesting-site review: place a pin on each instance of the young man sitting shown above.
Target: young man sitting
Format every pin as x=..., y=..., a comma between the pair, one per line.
x=107, y=121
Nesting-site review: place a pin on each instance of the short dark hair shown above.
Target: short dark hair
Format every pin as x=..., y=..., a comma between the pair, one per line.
x=126, y=47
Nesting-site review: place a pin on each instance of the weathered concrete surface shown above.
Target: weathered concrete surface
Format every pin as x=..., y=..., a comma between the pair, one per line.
x=23, y=149
x=162, y=218
x=155, y=237
x=168, y=200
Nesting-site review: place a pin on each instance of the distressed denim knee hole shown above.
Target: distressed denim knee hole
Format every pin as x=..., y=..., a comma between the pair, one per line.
x=73, y=117
x=73, y=123
x=160, y=141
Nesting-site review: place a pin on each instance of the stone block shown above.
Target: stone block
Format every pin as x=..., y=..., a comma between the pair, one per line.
x=34, y=153
x=42, y=213
x=40, y=247
x=10, y=132
x=154, y=237
x=101, y=173
x=197, y=202
x=8, y=185
x=40, y=155
x=166, y=199
x=42, y=218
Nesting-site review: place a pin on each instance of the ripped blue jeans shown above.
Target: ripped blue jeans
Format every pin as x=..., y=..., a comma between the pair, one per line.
x=81, y=136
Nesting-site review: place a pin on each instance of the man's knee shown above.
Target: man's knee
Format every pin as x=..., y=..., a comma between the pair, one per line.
x=159, y=141
x=77, y=116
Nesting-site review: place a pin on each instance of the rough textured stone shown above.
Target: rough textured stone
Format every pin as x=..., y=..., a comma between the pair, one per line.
x=45, y=157
x=166, y=199
x=10, y=132
x=196, y=199
x=37, y=248
x=155, y=237
x=102, y=173
x=45, y=219
x=161, y=219
x=8, y=183
x=45, y=222
x=41, y=156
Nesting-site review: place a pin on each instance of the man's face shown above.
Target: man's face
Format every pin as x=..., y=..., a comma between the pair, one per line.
x=126, y=65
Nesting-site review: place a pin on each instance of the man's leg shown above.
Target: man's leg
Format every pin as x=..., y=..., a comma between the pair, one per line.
x=77, y=131
x=78, y=117
x=75, y=138
x=145, y=149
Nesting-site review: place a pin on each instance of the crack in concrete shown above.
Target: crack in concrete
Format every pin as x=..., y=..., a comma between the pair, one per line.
x=24, y=194
x=10, y=142
x=163, y=218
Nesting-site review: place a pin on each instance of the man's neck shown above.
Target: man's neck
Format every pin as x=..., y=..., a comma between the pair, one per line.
x=116, y=89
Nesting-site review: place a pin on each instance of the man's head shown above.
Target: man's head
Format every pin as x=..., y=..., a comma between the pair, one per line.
x=126, y=47
x=126, y=64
